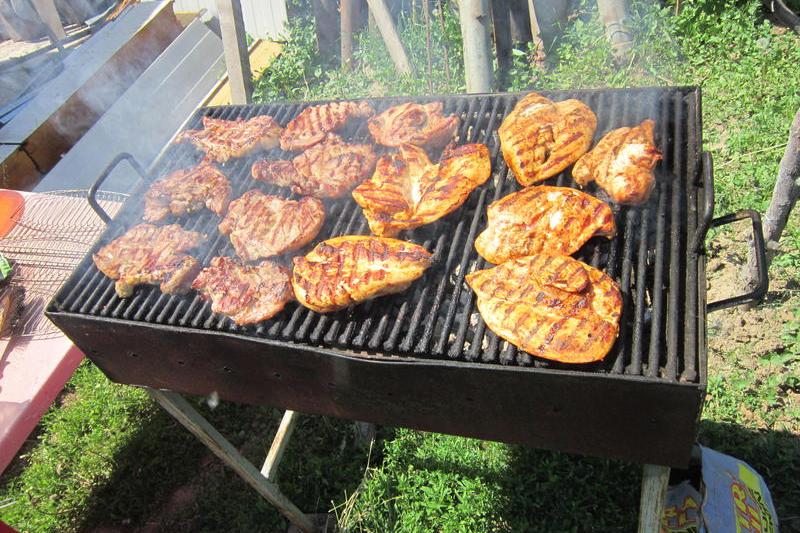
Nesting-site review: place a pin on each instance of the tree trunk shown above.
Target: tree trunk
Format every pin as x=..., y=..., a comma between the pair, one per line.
x=784, y=197
x=326, y=18
x=614, y=14
x=539, y=56
x=501, y=27
x=385, y=23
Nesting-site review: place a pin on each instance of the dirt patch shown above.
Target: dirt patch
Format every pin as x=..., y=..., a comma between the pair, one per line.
x=749, y=332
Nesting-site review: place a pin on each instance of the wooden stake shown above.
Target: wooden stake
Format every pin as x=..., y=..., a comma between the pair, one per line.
x=614, y=13
x=477, y=48
x=440, y=10
x=501, y=24
x=784, y=197
x=390, y=36
x=234, y=43
x=426, y=10
x=279, y=445
x=348, y=16
x=539, y=56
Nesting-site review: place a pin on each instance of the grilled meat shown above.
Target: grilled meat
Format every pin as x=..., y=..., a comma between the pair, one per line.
x=543, y=219
x=313, y=123
x=246, y=293
x=223, y=139
x=622, y=164
x=408, y=191
x=326, y=170
x=151, y=254
x=261, y=225
x=417, y=124
x=551, y=306
x=187, y=190
x=347, y=270
x=540, y=138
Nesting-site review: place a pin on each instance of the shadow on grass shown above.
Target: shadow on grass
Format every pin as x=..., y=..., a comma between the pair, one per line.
x=166, y=480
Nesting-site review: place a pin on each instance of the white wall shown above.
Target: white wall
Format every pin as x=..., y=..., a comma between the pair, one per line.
x=263, y=19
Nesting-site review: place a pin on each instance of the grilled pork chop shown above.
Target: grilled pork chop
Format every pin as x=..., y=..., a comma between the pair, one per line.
x=261, y=225
x=187, y=190
x=151, y=254
x=246, y=293
x=326, y=170
x=223, y=139
x=417, y=124
x=543, y=219
x=551, y=306
x=408, y=191
x=622, y=164
x=310, y=126
x=540, y=138
x=347, y=270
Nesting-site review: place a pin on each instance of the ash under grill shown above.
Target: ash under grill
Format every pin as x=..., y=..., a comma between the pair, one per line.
x=437, y=317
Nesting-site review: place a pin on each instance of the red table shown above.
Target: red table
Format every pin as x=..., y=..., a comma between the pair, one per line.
x=50, y=236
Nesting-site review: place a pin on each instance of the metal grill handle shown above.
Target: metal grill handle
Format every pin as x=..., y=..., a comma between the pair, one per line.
x=92, y=194
x=761, y=261
x=699, y=240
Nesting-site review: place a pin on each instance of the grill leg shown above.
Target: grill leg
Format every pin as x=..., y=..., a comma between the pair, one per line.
x=184, y=413
x=654, y=491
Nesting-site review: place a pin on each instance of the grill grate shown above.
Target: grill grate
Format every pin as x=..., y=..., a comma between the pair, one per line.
x=436, y=318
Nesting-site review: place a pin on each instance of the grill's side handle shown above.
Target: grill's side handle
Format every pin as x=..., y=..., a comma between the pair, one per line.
x=699, y=240
x=761, y=260
x=92, y=194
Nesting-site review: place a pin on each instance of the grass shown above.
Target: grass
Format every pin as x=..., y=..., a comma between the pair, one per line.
x=106, y=456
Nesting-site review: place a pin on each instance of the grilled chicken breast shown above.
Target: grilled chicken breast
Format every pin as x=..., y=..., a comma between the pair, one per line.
x=326, y=170
x=348, y=270
x=313, y=123
x=622, y=164
x=540, y=138
x=187, y=190
x=246, y=293
x=261, y=225
x=408, y=191
x=543, y=219
x=223, y=139
x=151, y=254
x=551, y=306
x=418, y=124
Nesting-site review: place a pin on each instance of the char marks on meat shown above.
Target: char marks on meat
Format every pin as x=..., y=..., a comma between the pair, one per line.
x=347, y=270
x=543, y=219
x=223, y=139
x=551, y=306
x=622, y=164
x=151, y=254
x=410, y=123
x=329, y=169
x=247, y=293
x=188, y=190
x=540, y=138
x=313, y=123
x=408, y=191
x=261, y=225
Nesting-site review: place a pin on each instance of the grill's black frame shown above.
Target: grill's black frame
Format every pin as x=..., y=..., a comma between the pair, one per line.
x=636, y=405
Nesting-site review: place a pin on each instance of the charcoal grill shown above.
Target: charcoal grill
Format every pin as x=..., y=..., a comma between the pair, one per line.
x=424, y=358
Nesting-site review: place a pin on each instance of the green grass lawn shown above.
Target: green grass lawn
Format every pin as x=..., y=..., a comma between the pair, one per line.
x=106, y=456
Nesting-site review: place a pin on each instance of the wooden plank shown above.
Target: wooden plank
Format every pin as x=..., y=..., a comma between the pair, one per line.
x=279, y=445
x=234, y=42
x=49, y=14
x=654, y=492
x=184, y=413
x=262, y=54
x=386, y=26
x=475, y=22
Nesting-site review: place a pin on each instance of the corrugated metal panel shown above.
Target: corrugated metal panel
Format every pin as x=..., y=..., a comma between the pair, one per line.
x=263, y=19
